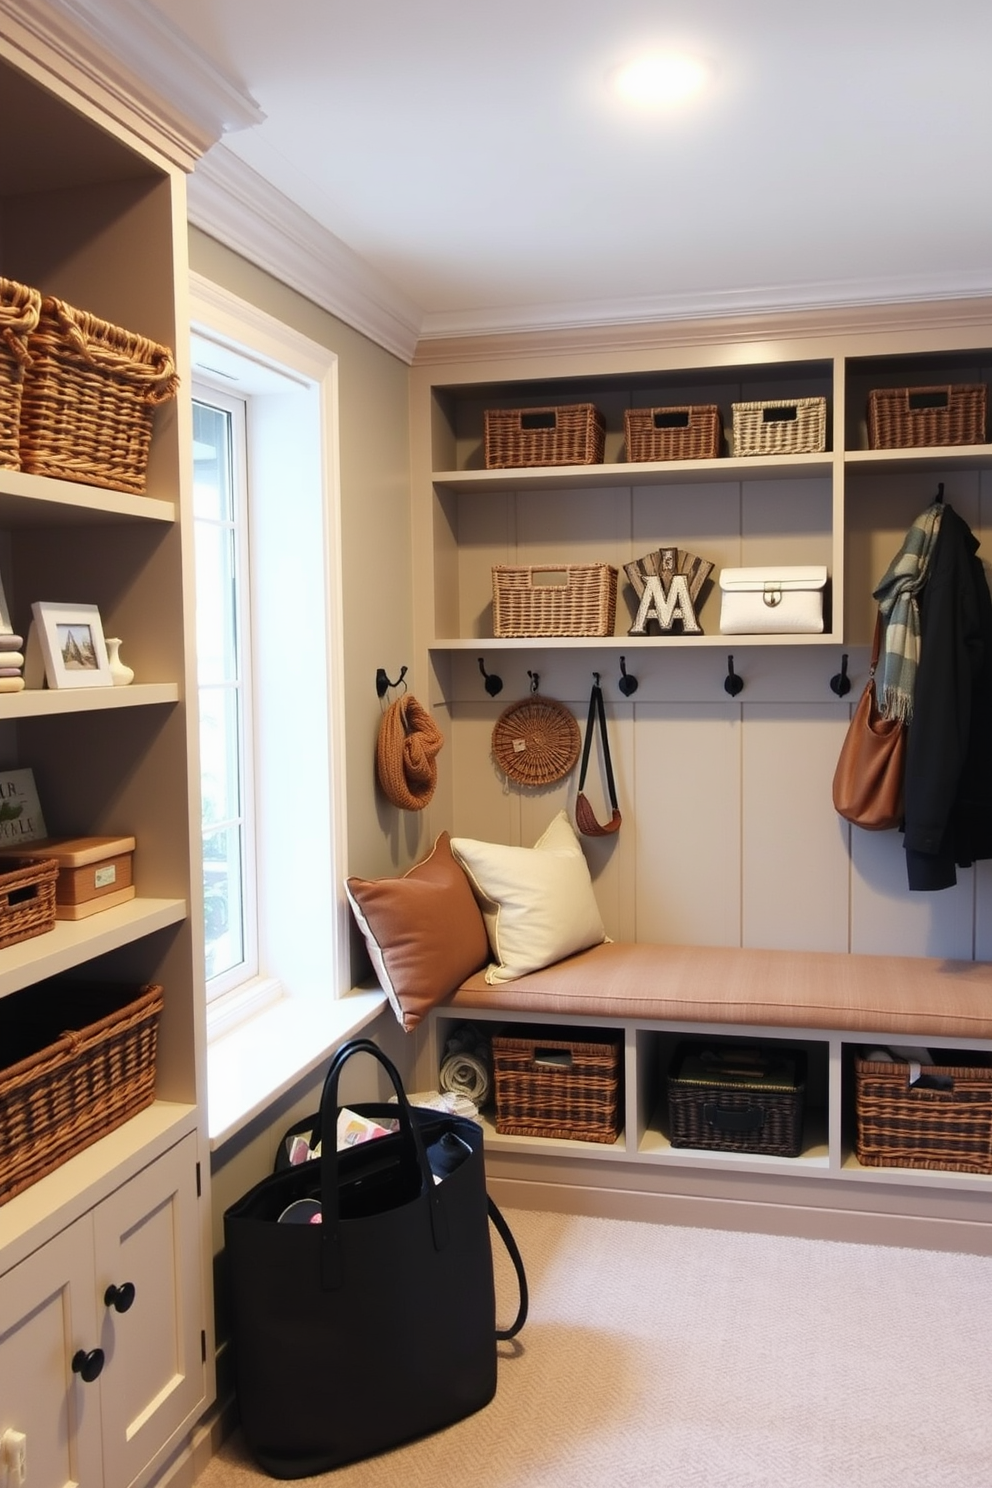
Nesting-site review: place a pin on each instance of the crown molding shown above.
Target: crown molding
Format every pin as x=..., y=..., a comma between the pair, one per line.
x=127, y=58
x=232, y=203
x=968, y=318
x=759, y=301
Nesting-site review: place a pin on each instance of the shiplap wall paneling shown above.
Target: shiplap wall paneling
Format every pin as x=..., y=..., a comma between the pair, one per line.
x=887, y=919
x=794, y=862
x=686, y=824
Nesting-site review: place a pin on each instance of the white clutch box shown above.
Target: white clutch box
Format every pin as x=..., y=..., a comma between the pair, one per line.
x=770, y=601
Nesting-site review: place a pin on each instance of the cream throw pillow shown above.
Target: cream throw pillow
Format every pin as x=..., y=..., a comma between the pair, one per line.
x=537, y=902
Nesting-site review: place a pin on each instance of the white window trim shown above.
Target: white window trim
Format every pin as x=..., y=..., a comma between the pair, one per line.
x=266, y=1046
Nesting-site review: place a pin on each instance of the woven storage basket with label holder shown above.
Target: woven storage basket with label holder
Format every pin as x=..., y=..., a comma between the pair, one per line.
x=551, y=1084
x=777, y=600
x=94, y=872
x=737, y=1099
x=554, y=599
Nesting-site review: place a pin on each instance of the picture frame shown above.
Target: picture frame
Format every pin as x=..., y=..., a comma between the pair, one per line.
x=72, y=644
x=5, y=626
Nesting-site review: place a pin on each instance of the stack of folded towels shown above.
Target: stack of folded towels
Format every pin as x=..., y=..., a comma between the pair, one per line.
x=11, y=662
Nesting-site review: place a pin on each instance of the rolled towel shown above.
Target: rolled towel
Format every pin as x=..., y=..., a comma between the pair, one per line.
x=466, y=1064
x=466, y=1074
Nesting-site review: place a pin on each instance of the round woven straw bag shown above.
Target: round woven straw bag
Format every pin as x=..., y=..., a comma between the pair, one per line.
x=536, y=741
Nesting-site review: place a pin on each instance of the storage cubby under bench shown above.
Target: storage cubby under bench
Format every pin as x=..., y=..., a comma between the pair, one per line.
x=827, y=1006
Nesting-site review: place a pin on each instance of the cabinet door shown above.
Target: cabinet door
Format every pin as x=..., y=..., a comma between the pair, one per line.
x=46, y=1315
x=147, y=1236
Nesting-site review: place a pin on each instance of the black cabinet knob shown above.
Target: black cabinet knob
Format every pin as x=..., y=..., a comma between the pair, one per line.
x=119, y=1297
x=88, y=1365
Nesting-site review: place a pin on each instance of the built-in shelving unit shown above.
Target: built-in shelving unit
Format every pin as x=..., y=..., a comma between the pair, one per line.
x=92, y=213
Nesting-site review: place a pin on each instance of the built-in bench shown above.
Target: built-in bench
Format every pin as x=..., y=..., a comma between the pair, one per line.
x=926, y=999
x=828, y=1004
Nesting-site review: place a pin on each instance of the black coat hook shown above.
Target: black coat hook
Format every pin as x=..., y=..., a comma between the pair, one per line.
x=732, y=683
x=534, y=679
x=841, y=683
x=940, y=492
x=383, y=684
x=494, y=684
x=627, y=683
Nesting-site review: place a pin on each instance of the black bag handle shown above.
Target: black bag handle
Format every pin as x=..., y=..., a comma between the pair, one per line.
x=584, y=816
x=506, y=1235
x=332, y=1275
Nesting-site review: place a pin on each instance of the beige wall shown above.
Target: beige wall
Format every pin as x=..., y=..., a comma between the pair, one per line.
x=376, y=569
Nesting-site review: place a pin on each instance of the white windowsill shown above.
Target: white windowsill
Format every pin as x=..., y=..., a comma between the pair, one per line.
x=261, y=1058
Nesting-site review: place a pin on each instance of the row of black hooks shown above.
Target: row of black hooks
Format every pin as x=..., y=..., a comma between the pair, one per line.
x=840, y=683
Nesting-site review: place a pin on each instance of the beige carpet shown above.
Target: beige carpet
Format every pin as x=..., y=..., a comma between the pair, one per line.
x=662, y=1356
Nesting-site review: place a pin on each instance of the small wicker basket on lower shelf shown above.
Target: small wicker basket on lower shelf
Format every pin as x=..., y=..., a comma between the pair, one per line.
x=550, y=1085
x=83, y=1064
x=27, y=898
x=942, y=1121
x=554, y=599
x=89, y=399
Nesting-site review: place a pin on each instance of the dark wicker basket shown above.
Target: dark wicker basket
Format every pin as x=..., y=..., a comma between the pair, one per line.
x=731, y=1099
x=573, y=434
x=554, y=599
x=19, y=310
x=27, y=898
x=692, y=432
x=943, y=1121
x=914, y=418
x=89, y=399
x=84, y=1064
x=551, y=1085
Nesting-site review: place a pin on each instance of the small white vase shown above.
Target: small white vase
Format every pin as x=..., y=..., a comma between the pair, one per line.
x=121, y=674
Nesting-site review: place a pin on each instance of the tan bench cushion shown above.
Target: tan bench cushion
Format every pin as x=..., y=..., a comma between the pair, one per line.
x=932, y=999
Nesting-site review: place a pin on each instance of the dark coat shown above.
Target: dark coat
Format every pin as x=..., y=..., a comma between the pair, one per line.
x=948, y=782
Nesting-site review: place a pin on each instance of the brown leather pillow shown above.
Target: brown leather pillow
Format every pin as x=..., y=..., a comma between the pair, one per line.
x=424, y=932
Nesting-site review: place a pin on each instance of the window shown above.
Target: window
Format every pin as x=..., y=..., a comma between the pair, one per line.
x=269, y=665
x=224, y=670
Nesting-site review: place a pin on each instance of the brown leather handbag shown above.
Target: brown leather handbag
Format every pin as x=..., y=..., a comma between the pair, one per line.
x=868, y=780
x=585, y=817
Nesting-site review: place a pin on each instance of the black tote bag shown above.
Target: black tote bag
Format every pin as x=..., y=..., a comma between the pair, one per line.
x=378, y=1324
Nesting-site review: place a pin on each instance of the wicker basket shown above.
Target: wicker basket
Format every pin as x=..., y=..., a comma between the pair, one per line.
x=556, y=599
x=693, y=432
x=548, y=1085
x=943, y=1121
x=911, y=418
x=780, y=426
x=89, y=399
x=27, y=898
x=19, y=310
x=65, y=1090
x=536, y=741
x=737, y=1099
x=573, y=434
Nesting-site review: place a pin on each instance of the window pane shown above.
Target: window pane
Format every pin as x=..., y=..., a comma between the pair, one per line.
x=221, y=592
x=223, y=908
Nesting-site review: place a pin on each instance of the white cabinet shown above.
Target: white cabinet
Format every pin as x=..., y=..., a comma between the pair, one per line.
x=101, y=1344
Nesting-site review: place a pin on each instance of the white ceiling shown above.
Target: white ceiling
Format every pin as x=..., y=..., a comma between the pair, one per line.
x=474, y=159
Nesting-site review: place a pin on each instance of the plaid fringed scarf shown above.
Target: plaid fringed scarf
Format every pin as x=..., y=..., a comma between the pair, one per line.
x=897, y=592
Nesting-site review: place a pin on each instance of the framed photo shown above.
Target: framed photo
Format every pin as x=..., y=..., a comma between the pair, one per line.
x=5, y=626
x=72, y=645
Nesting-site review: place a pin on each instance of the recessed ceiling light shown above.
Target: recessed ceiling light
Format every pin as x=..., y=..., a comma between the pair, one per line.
x=660, y=78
